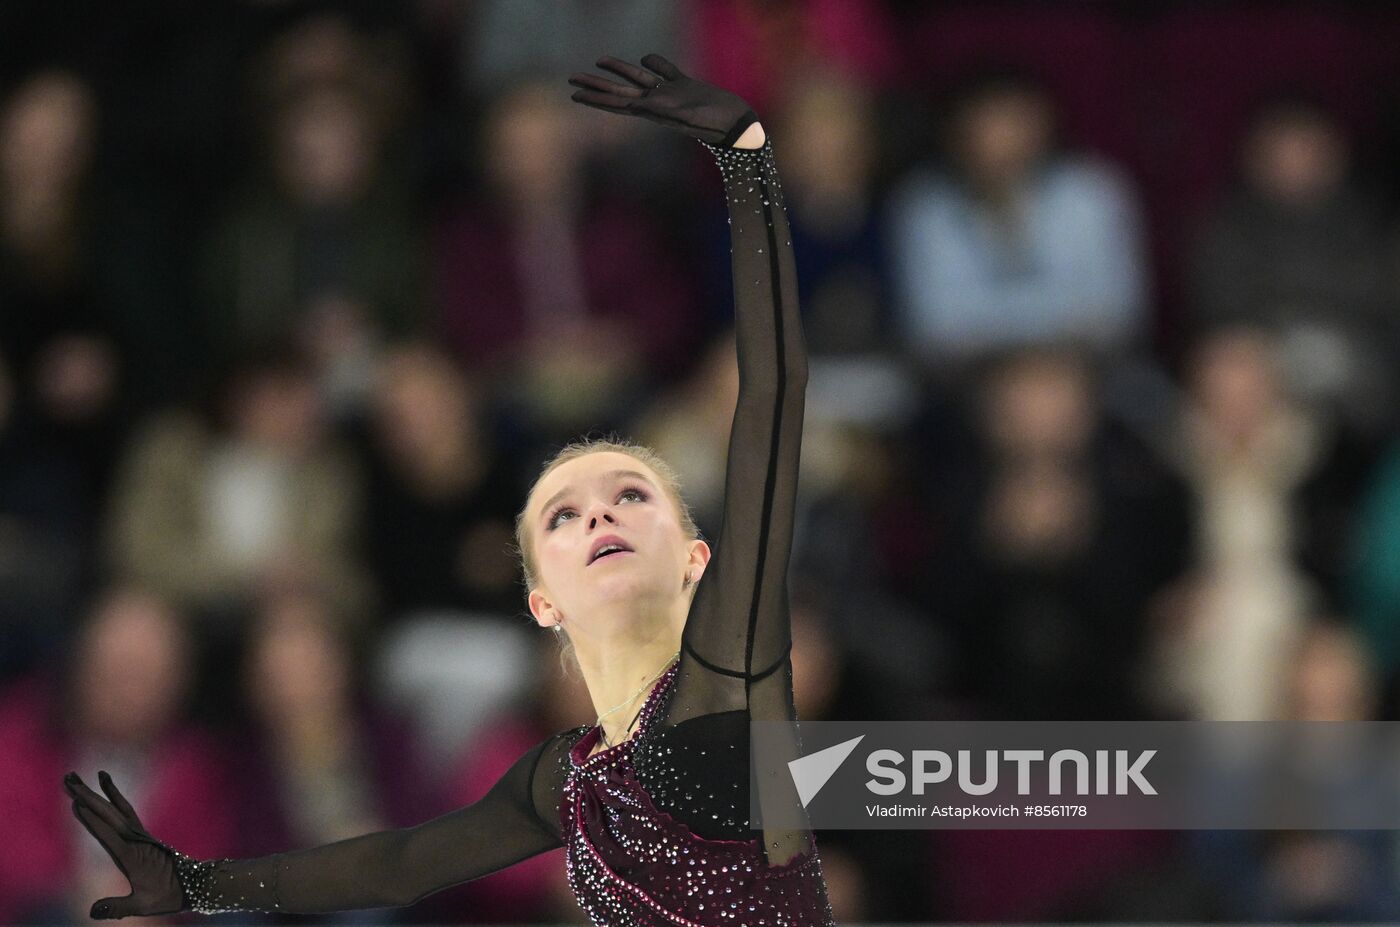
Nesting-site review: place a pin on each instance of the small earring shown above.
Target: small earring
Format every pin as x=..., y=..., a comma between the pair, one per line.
x=687, y=579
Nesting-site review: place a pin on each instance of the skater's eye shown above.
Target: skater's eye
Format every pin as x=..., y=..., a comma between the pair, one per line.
x=562, y=510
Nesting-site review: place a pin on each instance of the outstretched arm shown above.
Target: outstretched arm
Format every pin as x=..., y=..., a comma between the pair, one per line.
x=738, y=625
x=517, y=819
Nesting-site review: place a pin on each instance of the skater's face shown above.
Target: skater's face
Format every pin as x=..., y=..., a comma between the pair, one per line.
x=575, y=509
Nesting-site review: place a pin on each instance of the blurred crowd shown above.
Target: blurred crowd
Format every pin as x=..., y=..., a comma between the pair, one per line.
x=1103, y=308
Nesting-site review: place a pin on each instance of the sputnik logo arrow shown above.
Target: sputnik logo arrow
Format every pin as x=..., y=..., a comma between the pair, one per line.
x=811, y=772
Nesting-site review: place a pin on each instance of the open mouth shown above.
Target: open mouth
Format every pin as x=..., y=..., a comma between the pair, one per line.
x=606, y=547
x=610, y=554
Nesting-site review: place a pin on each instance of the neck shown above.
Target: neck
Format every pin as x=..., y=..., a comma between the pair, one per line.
x=615, y=669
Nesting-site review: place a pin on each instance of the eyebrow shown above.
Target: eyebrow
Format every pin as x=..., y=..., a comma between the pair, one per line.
x=611, y=474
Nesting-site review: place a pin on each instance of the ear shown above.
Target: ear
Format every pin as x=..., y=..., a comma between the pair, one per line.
x=699, y=558
x=545, y=612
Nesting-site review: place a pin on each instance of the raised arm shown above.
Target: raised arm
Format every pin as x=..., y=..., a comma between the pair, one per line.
x=738, y=625
x=734, y=661
x=739, y=622
x=518, y=818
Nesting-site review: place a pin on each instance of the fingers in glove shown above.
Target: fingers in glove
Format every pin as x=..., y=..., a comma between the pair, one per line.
x=117, y=798
x=631, y=72
x=660, y=65
x=603, y=85
x=96, y=803
x=610, y=102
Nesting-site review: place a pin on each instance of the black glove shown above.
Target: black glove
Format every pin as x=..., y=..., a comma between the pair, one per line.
x=148, y=864
x=663, y=94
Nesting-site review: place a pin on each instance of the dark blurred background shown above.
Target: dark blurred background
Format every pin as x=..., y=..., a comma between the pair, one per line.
x=296, y=298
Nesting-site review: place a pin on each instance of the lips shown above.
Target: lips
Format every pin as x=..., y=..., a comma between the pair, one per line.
x=606, y=541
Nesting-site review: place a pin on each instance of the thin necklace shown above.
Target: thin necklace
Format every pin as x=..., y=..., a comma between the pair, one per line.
x=603, y=734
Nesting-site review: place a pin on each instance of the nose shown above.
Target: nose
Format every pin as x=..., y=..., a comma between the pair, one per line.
x=600, y=511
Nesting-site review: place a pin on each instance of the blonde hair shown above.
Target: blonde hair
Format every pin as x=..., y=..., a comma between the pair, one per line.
x=524, y=539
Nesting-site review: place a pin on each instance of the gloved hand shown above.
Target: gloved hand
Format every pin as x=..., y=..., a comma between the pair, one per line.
x=663, y=94
x=148, y=864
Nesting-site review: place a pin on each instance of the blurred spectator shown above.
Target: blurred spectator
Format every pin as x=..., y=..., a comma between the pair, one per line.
x=320, y=763
x=571, y=305
x=502, y=43
x=1246, y=446
x=336, y=44
x=1016, y=242
x=1048, y=593
x=1045, y=585
x=1299, y=249
x=321, y=244
x=441, y=496
x=1311, y=875
x=46, y=130
x=829, y=139
x=214, y=511
x=55, y=335
x=758, y=48
x=117, y=703
x=1333, y=677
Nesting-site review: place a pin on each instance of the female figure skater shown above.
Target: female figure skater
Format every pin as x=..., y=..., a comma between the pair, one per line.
x=651, y=804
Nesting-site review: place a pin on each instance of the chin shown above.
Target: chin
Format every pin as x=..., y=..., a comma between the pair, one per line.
x=614, y=589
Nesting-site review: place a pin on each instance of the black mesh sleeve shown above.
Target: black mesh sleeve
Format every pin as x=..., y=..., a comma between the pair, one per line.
x=738, y=626
x=737, y=638
x=518, y=818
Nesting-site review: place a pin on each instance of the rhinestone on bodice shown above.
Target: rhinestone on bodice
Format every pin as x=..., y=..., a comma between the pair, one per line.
x=631, y=863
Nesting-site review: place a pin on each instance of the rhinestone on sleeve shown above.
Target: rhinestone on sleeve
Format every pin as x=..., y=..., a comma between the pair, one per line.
x=208, y=887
